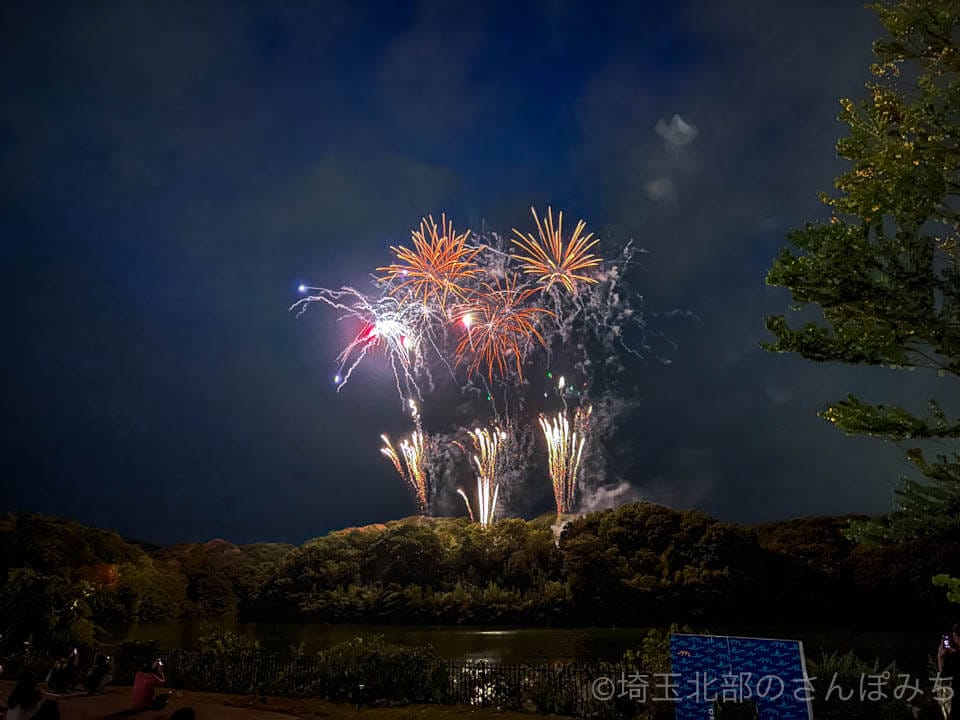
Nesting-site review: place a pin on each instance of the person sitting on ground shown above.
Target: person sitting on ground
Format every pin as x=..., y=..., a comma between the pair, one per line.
x=26, y=702
x=25, y=698
x=98, y=676
x=65, y=673
x=145, y=682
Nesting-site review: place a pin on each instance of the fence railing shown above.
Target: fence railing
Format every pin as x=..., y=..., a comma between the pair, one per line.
x=561, y=688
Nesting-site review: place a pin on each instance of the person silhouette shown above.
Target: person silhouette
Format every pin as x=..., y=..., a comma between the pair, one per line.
x=145, y=683
x=948, y=663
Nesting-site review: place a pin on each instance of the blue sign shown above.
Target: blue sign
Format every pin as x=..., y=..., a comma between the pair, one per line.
x=713, y=669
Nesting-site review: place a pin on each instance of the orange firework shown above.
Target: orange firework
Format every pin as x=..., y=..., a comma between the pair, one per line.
x=498, y=326
x=436, y=267
x=550, y=259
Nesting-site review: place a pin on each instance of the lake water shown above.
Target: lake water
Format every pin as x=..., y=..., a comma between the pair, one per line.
x=909, y=649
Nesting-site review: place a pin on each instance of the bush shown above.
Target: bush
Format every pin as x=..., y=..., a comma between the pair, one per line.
x=550, y=693
x=653, y=655
x=224, y=642
x=847, y=671
x=389, y=673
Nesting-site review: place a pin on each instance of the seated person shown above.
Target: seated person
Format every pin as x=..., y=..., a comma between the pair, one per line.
x=98, y=676
x=145, y=682
x=26, y=702
x=65, y=673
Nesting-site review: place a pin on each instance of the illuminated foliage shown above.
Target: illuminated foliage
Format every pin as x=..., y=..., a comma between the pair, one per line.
x=884, y=271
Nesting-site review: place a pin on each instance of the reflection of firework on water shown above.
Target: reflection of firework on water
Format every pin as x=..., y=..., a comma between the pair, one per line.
x=438, y=265
x=564, y=453
x=410, y=464
x=488, y=464
x=499, y=327
x=552, y=261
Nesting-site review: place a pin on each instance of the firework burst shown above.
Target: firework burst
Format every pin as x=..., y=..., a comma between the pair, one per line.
x=411, y=464
x=499, y=325
x=550, y=259
x=438, y=265
x=564, y=453
x=384, y=323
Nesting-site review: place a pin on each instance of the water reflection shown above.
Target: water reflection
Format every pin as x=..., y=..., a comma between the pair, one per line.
x=520, y=645
x=452, y=643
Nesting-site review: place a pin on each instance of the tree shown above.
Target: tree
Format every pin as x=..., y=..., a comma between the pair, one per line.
x=885, y=271
x=952, y=585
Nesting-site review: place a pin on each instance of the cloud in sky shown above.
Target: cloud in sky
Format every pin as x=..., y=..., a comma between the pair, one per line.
x=677, y=132
x=661, y=189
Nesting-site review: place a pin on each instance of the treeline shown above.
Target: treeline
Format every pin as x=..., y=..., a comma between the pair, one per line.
x=641, y=564
x=65, y=583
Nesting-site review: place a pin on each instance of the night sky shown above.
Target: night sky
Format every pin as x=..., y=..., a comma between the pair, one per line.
x=172, y=171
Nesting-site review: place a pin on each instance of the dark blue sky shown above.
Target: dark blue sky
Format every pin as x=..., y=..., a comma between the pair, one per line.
x=171, y=172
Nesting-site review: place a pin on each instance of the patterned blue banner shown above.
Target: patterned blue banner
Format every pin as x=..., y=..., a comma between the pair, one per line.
x=713, y=669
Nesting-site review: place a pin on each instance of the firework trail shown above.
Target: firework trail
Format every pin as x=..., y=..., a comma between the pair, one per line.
x=488, y=462
x=411, y=464
x=466, y=501
x=564, y=453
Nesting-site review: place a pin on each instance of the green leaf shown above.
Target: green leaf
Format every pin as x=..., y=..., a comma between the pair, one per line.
x=883, y=276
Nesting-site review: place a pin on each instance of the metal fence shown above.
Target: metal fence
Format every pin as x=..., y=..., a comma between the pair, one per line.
x=565, y=689
x=562, y=688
